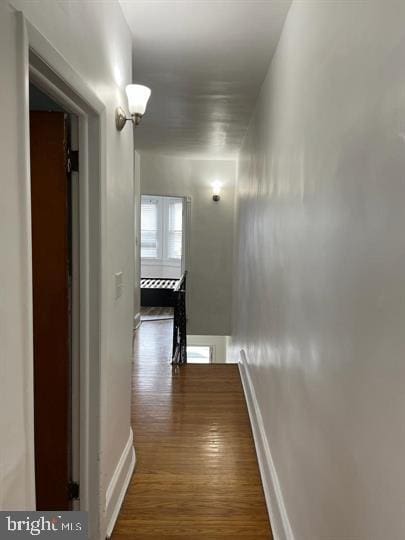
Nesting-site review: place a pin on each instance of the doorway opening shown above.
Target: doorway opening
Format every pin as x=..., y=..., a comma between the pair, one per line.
x=56, y=300
x=162, y=237
x=163, y=253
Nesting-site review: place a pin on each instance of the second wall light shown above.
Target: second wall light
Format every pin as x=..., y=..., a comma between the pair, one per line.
x=216, y=191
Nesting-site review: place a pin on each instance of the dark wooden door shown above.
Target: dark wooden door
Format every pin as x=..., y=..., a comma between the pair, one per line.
x=50, y=196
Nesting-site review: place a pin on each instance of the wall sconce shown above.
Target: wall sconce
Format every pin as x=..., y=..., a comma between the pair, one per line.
x=138, y=96
x=216, y=191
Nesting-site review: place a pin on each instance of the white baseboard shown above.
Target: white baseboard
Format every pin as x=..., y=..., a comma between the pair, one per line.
x=137, y=320
x=272, y=491
x=119, y=484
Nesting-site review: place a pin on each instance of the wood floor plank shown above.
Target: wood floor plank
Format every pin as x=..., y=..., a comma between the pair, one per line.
x=196, y=474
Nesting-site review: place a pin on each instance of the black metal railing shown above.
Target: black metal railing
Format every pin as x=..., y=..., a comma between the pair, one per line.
x=179, y=351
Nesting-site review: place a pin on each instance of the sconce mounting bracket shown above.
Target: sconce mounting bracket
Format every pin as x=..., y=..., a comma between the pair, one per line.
x=121, y=118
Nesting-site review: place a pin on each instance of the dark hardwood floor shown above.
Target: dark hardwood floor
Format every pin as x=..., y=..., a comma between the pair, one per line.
x=196, y=474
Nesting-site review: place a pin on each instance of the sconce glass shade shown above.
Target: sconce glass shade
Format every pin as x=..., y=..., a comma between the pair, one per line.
x=216, y=191
x=138, y=96
x=216, y=188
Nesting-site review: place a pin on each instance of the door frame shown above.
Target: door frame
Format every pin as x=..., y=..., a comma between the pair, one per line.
x=47, y=69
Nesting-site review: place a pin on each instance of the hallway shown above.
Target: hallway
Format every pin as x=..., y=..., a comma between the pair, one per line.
x=196, y=474
x=237, y=168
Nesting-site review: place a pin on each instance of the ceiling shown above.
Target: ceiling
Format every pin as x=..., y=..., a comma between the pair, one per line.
x=205, y=61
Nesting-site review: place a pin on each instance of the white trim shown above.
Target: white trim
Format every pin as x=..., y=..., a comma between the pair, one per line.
x=25, y=199
x=119, y=484
x=274, y=498
x=75, y=316
x=51, y=72
x=148, y=261
x=137, y=320
x=185, y=260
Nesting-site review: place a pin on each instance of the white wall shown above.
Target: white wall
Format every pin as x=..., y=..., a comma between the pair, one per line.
x=96, y=42
x=210, y=236
x=320, y=285
x=16, y=419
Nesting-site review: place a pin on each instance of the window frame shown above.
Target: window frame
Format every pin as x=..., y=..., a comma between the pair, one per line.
x=171, y=261
x=159, y=228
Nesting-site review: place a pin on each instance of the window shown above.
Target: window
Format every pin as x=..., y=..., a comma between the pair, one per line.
x=162, y=229
x=175, y=229
x=199, y=354
x=149, y=231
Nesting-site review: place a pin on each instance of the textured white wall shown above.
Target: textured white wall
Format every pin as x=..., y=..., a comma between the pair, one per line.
x=320, y=272
x=211, y=233
x=96, y=42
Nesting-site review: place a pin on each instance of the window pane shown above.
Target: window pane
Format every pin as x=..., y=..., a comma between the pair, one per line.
x=174, y=233
x=149, y=229
x=198, y=354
